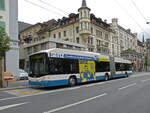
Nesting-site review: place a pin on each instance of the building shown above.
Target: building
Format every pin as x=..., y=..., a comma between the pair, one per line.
x=9, y=21
x=147, y=55
x=125, y=38
x=129, y=46
x=82, y=31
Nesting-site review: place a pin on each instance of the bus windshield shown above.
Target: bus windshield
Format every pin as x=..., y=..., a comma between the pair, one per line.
x=38, y=65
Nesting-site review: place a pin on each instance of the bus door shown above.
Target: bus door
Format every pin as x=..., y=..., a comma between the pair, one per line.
x=87, y=70
x=112, y=67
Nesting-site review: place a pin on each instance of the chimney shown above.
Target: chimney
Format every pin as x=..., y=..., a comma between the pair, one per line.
x=105, y=20
x=128, y=30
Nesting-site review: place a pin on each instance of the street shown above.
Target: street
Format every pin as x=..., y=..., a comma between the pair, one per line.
x=123, y=95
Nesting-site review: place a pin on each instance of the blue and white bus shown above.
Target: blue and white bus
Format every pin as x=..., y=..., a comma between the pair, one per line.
x=56, y=67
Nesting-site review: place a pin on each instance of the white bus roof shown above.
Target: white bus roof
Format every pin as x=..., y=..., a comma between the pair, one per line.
x=121, y=60
x=57, y=52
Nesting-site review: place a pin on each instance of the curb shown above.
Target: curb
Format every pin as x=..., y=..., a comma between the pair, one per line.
x=13, y=88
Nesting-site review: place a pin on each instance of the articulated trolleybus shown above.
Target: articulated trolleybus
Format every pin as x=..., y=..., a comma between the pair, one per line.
x=56, y=67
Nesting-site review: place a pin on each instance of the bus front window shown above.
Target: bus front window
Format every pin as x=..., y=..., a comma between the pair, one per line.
x=38, y=66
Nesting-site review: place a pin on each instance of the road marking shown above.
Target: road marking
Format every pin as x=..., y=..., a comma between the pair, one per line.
x=145, y=80
x=24, y=92
x=127, y=86
x=74, y=104
x=40, y=93
x=13, y=105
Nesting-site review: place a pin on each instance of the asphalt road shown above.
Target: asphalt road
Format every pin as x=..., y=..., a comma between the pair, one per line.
x=125, y=95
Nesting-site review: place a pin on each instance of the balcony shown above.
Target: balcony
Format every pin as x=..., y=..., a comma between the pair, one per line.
x=84, y=32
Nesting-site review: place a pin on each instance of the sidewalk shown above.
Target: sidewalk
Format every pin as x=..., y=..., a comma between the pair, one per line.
x=16, y=85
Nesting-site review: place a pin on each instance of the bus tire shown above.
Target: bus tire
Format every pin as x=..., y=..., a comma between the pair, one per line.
x=126, y=74
x=106, y=77
x=72, y=81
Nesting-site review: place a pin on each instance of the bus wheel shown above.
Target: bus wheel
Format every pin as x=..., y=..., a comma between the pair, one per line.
x=106, y=77
x=72, y=81
x=126, y=74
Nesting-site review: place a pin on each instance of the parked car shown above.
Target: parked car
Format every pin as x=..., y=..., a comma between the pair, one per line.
x=22, y=75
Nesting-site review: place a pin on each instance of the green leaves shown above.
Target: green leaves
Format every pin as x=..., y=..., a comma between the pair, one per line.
x=4, y=41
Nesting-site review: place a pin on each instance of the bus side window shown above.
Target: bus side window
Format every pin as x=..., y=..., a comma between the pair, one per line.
x=102, y=66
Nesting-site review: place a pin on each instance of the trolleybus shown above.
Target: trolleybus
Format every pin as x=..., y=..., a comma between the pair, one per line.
x=56, y=67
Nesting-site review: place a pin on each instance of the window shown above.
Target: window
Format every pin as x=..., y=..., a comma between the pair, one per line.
x=59, y=35
x=90, y=49
x=106, y=37
x=43, y=46
x=78, y=40
x=91, y=30
x=2, y=24
x=81, y=14
x=64, y=33
x=63, y=66
x=35, y=48
x=85, y=24
x=2, y=4
x=54, y=35
x=58, y=45
x=123, y=67
x=90, y=40
x=81, y=26
x=35, y=31
x=98, y=42
x=102, y=66
x=77, y=29
x=98, y=33
x=84, y=13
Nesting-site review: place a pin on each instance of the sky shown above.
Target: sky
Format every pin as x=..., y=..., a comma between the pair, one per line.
x=131, y=14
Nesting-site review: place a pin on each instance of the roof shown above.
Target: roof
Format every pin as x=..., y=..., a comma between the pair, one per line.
x=127, y=31
x=30, y=27
x=48, y=25
x=22, y=26
x=83, y=6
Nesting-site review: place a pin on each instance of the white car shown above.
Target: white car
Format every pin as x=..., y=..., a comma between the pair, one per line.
x=22, y=75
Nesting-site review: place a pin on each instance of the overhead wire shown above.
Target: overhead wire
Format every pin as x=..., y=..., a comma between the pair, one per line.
x=48, y=4
x=138, y=10
x=131, y=17
x=54, y=12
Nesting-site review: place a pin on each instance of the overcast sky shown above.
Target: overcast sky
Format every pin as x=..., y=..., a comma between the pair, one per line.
x=131, y=14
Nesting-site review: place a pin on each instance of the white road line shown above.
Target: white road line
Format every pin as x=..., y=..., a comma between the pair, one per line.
x=127, y=86
x=145, y=80
x=13, y=105
x=74, y=104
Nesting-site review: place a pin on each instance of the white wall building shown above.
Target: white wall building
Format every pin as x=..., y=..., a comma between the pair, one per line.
x=9, y=20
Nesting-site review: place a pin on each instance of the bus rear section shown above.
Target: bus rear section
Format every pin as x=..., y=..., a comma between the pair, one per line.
x=123, y=68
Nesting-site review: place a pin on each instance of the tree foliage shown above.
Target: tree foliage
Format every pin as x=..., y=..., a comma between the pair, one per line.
x=4, y=41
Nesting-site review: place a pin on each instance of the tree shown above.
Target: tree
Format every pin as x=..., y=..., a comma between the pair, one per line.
x=4, y=47
x=4, y=42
